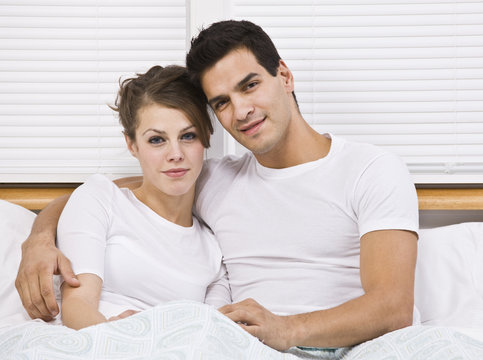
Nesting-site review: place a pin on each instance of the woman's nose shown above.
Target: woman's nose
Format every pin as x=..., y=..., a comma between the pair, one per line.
x=175, y=153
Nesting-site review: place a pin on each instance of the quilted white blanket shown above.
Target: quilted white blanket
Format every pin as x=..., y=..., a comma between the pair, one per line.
x=187, y=330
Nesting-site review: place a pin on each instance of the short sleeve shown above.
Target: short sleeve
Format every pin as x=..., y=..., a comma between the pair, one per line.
x=83, y=226
x=385, y=197
x=218, y=292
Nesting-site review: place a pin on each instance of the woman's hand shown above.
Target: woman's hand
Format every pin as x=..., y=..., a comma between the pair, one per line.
x=123, y=315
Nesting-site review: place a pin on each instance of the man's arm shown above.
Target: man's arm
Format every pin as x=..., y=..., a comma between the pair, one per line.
x=41, y=260
x=388, y=260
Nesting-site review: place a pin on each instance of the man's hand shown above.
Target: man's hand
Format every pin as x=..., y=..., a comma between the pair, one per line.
x=123, y=315
x=34, y=283
x=272, y=330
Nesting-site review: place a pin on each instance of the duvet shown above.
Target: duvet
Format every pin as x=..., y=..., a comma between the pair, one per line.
x=189, y=330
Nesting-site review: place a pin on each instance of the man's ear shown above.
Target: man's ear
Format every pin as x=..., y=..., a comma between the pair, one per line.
x=286, y=75
x=131, y=145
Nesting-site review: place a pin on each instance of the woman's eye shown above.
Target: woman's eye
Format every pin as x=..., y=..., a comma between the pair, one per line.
x=156, y=140
x=188, y=136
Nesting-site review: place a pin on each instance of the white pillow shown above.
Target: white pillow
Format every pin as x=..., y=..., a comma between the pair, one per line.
x=15, y=224
x=449, y=275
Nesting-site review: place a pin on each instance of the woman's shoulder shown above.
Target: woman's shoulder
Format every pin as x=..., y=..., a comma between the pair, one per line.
x=99, y=181
x=96, y=187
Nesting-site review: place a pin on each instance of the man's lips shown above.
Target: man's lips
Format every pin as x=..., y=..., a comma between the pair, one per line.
x=175, y=173
x=253, y=127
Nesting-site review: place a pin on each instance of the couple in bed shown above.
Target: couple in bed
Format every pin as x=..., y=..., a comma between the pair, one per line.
x=318, y=234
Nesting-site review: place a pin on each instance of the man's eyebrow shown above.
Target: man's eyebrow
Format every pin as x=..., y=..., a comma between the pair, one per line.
x=238, y=86
x=246, y=79
x=214, y=100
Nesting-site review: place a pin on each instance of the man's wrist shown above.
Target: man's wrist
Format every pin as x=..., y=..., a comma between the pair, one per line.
x=39, y=239
x=295, y=330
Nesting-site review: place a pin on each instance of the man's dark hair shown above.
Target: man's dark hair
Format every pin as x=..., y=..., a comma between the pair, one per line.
x=220, y=38
x=216, y=41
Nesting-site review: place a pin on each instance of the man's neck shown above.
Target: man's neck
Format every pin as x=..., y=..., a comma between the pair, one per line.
x=301, y=144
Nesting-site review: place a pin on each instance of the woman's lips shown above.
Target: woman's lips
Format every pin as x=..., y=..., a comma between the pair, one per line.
x=175, y=173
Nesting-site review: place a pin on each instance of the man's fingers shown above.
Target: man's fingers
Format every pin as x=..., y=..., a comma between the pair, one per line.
x=225, y=309
x=65, y=269
x=251, y=329
x=34, y=302
x=244, y=304
x=47, y=292
x=23, y=290
x=242, y=316
x=25, y=298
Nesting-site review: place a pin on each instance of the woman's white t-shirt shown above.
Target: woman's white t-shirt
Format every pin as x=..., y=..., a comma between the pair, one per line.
x=143, y=259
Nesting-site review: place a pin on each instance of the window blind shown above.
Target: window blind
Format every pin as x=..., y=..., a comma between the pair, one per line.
x=403, y=74
x=60, y=63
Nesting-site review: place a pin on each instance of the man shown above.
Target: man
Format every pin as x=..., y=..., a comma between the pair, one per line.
x=318, y=234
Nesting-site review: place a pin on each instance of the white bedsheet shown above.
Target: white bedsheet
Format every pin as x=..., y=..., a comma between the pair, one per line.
x=188, y=330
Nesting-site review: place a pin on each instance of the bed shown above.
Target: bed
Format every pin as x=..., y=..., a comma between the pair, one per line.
x=448, y=293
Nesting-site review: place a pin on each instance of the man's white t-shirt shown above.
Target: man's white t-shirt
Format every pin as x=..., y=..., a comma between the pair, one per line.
x=143, y=259
x=290, y=237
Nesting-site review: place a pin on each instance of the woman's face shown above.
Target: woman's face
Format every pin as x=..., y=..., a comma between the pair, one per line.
x=168, y=149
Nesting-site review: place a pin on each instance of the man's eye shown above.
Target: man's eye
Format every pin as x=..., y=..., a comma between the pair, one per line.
x=252, y=84
x=219, y=105
x=156, y=140
x=188, y=136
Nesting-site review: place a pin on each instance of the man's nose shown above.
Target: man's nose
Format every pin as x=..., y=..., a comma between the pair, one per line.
x=242, y=107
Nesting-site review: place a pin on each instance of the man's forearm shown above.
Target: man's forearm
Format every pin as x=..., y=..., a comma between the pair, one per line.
x=351, y=323
x=44, y=228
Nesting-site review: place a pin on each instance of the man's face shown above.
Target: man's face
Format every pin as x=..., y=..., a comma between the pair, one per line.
x=252, y=105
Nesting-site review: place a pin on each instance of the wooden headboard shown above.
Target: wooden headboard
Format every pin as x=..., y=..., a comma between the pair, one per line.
x=36, y=197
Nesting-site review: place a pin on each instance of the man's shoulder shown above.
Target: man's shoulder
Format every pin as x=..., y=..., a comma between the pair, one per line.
x=229, y=164
x=359, y=158
x=220, y=174
x=358, y=149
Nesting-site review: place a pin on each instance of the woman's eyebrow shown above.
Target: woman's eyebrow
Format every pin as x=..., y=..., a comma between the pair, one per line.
x=162, y=132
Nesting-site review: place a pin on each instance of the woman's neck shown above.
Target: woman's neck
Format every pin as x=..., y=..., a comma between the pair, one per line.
x=177, y=209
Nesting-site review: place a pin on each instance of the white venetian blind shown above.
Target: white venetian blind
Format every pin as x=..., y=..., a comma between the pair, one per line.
x=403, y=74
x=60, y=62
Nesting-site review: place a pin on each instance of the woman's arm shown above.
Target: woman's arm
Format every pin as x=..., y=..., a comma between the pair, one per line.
x=218, y=292
x=41, y=259
x=80, y=304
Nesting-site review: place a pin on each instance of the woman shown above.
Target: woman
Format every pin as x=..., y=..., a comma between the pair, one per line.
x=135, y=249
